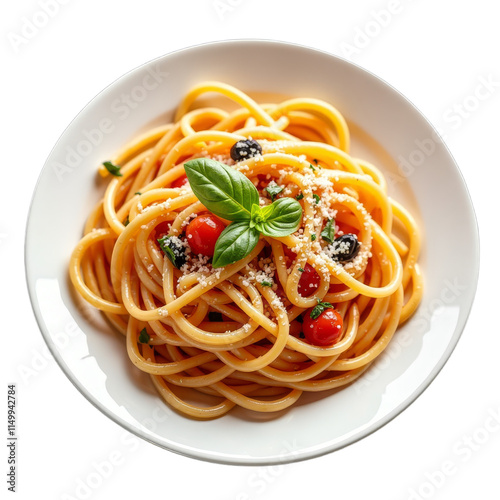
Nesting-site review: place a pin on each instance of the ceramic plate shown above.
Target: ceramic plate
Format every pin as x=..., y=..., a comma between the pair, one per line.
x=387, y=129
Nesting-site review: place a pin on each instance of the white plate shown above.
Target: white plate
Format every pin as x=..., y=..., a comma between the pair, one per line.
x=430, y=184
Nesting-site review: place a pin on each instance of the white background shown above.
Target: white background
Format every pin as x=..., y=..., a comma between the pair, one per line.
x=446, y=445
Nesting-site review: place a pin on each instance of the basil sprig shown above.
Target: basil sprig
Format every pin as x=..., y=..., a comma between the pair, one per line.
x=229, y=194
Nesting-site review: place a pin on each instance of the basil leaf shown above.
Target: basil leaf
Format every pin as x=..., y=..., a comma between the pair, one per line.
x=318, y=310
x=273, y=189
x=112, y=168
x=281, y=218
x=222, y=189
x=328, y=233
x=234, y=243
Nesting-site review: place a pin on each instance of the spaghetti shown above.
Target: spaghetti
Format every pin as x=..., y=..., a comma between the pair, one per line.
x=213, y=338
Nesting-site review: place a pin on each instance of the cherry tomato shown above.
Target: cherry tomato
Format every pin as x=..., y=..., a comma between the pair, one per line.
x=202, y=233
x=288, y=253
x=263, y=181
x=336, y=288
x=325, y=329
x=309, y=281
x=162, y=229
x=180, y=181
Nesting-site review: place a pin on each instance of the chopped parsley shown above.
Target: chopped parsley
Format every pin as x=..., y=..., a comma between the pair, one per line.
x=144, y=337
x=172, y=247
x=318, y=309
x=112, y=168
x=273, y=189
x=316, y=198
x=328, y=232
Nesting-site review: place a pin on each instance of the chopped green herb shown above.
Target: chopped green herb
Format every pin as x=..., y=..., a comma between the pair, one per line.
x=173, y=249
x=299, y=196
x=313, y=237
x=266, y=283
x=301, y=270
x=126, y=222
x=112, y=168
x=328, y=233
x=144, y=337
x=311, y=167
x=317, y=310
x=316, y=198
x=273, y=189
x=138, y=193
x=315, y=161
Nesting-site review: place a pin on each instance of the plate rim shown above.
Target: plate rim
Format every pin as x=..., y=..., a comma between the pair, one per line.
x=212, y=456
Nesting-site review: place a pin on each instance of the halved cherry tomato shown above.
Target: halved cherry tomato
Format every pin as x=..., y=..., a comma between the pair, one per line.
x=309, y=279
x=202, y=234
x=325, y=329
x=336, y=288
x=180, y=181
x=162, y=229
x=288, y=253
x=263, y=181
